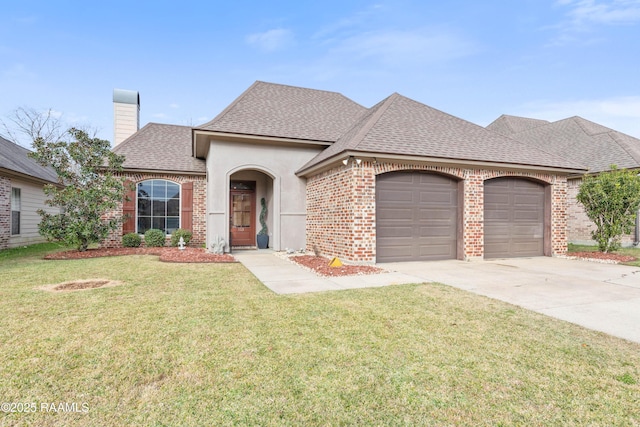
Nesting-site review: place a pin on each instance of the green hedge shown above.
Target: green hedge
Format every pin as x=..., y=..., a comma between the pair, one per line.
x=185, y=234
x=131, y=240
x=154, y=238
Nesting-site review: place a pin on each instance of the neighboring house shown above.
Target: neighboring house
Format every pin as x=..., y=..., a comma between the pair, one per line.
x=590, y=144
x=396, y=182
x=21, y=195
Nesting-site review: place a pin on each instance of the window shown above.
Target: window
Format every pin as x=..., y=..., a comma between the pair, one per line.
x=158, y=205
x=15, y=211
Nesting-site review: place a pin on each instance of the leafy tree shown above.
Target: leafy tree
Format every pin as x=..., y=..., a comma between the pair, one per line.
x=87, y=169
x=611, y=200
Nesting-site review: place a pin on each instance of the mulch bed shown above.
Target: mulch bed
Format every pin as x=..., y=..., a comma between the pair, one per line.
x=320, y=265
x=188, y=255
x=601, y=256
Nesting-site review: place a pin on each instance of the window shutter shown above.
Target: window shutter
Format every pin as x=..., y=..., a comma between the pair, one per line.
x=129, y=209
x=186, y=211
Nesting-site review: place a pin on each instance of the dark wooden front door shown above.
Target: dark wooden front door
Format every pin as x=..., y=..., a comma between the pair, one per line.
x=242, y=217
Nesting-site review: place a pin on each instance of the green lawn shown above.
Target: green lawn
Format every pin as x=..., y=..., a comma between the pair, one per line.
x=623, y=251
x=205, y=344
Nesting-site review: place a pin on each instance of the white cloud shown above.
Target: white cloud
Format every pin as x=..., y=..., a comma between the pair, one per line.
x=619, y=113
x=612, y=12
x=401, y=47
x=174, y=105
x=272, y=40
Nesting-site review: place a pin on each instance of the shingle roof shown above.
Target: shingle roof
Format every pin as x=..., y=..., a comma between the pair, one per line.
x=508, y=125
x=15, y=158
x=586, y=142
x=267, y=109
x=401, y=126
x=160, y=147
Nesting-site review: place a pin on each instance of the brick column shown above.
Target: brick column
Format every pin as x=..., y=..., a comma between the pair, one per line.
x=473, y=215
x=5, y=212
x=559, y=236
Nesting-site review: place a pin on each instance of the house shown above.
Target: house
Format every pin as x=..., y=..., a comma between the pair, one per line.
x=398, y=181
x=21, y=195
x=590, y=144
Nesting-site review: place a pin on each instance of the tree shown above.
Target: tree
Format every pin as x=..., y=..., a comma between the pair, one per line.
x=611, y=200
x=87, y=173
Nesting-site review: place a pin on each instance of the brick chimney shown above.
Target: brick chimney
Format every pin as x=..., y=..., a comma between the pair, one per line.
x=126, y=114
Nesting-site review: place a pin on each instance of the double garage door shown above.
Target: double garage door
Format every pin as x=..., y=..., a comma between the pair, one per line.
x=417, y=217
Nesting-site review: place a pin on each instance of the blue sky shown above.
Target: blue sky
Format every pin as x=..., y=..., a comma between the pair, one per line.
x=548, y=59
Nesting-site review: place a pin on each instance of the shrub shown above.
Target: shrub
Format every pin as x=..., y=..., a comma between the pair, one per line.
x=154, y=238
x=185, y=234
x=131, y=240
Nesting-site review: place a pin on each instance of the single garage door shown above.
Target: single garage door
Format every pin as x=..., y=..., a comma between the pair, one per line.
x=513, y=218
x=416, y=217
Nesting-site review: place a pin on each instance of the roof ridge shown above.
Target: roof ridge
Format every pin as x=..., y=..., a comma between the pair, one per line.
x=634, y=154
x=380, y=107
x=230, y=106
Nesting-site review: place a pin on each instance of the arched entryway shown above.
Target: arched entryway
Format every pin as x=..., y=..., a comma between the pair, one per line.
x=246, y=189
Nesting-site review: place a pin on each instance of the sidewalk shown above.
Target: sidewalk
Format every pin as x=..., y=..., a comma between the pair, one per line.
x=285, y=277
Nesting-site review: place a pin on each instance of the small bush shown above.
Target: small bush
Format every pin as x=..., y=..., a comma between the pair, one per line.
x=185, y=234
x=154, y=238
x=131, y=240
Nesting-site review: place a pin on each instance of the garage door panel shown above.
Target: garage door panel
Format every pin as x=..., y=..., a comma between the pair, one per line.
x=397, y=214
x=514, y=223
x=398, y=195
x=420, y=227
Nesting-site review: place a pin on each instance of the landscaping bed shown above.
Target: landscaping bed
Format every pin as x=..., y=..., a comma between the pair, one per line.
x=188, y=255
x=602, y=257
x=320, y=265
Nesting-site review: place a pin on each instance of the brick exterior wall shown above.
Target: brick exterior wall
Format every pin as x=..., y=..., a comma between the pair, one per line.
x=341, y=209
x=199, y=205
x=5, y=212
x=580, y=226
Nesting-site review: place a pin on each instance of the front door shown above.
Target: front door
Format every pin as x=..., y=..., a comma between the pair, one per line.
x=242, y=208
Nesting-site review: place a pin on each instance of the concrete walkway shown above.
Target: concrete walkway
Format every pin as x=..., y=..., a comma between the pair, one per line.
x=285, y=277
x=602, y=297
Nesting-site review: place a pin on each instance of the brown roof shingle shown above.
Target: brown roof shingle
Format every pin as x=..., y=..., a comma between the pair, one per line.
x=508, y=125
x=402, y=126
x=586, y=142
x=160, y=147
x=15, y=158
x=268, y=109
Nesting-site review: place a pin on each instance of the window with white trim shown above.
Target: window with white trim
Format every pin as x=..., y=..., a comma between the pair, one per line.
x=158, y=205
x=15, y=211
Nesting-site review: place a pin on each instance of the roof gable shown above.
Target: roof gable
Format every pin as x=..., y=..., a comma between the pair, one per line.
x=274, y=110
x=160, y=147
x=508, y=125
x=16, y=159
x=402, y=126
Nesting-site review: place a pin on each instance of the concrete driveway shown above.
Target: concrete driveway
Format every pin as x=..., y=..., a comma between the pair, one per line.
x=603, y=297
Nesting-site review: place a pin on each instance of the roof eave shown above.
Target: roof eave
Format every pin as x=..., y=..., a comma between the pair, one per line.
x=330, y=162
x=200, y=146
x=27, y=177
x=162, y=171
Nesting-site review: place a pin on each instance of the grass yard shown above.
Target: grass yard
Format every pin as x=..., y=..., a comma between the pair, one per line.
x=623, y=251
x=207, y=344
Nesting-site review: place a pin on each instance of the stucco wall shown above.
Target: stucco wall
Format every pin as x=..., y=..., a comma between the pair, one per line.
x=273, y=167
x=341, y=209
